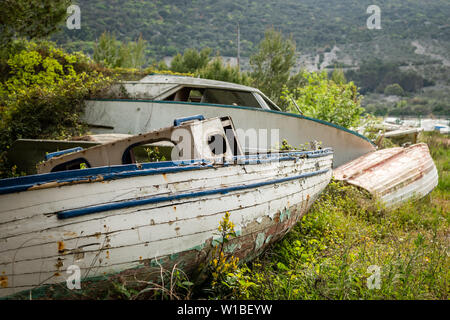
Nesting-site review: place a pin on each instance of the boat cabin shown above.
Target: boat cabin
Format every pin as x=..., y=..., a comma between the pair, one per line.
x=189, y=138
x=193, y=90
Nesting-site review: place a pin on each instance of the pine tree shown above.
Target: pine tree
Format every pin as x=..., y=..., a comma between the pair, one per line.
x=272, y=64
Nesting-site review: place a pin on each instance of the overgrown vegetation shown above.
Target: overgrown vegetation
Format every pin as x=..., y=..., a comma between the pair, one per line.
x=115, y=54
x=376, y=75
x=42, y=93
x=346, y=237
x=30, y=19
x=324, y=99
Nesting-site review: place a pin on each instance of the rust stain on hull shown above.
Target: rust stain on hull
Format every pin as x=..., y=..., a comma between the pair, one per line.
x=3, y=281
x=61, y=246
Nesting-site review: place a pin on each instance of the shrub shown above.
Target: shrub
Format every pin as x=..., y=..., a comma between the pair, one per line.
x=327, y=100
x=43, y=94
x=394, y=90
x=217, y=70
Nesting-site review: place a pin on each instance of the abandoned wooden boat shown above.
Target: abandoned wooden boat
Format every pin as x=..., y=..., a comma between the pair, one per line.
x=393, y=175
x=120, y=216
x=154, y=101
x=399, y=134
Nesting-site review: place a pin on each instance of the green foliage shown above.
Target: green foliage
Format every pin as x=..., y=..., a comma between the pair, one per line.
x=338, y=76
x=324, y=99
x=115, y=54
x=440, y=151
x=154, y=154
x=30, y=19
x=272, y=64
x=170, y=26
x=328, y=255
x=191, y=61
x=394, y=90
x=43, y=94
x=200, y=64
x=375, y=75
x=217, y=70
x=107, y=50
x=432, y=102
x=135, y=54
x=222, y=264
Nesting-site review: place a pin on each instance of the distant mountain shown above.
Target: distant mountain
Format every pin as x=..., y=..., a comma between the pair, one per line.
x=171, y=26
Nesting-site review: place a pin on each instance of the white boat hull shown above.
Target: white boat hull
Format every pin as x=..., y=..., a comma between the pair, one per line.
x=105, y=226
x=139, y=116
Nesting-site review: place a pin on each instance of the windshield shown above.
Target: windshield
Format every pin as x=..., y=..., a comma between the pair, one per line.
x=215, y=96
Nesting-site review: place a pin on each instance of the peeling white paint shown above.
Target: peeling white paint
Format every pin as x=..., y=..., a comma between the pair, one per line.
x=29, y=227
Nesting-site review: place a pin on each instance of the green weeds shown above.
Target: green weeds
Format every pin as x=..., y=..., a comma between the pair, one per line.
x=348, y=241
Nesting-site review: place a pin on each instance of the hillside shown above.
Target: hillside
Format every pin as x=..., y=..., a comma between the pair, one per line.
x=170, y=26
x=415, y=35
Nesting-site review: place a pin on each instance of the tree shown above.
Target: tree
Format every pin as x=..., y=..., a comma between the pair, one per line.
x=107, y=50
x=216, y=70
x=190, y=61
x=272, y=64
x=115, y=54
x=44, y=95
x=338, y=76
x=136, y=51
x=30, y=19
x=394, y=90
x=327, y=100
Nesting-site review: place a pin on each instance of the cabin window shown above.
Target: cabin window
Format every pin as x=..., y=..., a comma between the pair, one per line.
x=143, y=153
x=215, y=96
x=270, y=104
x=75, y=164
x=234, y=98
x=196, y=95
x=186, y=94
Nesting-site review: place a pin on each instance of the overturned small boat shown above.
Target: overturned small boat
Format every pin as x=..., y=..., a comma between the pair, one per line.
x=393, y=175
x=117, y=215
x=399, y=134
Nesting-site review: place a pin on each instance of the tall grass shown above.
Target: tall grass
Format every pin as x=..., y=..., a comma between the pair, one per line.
x=337, y=249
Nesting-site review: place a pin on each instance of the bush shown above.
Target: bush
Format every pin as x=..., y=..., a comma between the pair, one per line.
x=216, y=70
x=43, y=94
x=327, y=100
x=331, y=253
x=394, y=90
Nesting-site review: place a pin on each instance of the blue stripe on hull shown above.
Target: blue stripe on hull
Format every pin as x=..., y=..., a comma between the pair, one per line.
x=125, y=171
x=133, y=203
